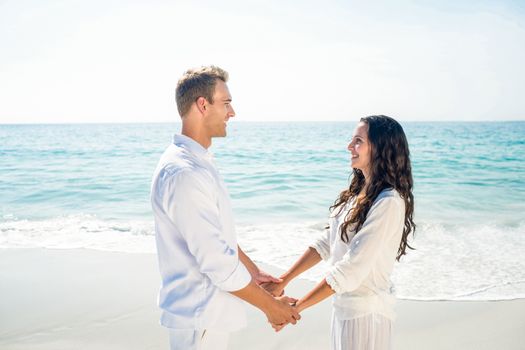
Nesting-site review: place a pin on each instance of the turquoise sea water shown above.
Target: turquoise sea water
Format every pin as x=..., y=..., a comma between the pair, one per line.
x=70, y=186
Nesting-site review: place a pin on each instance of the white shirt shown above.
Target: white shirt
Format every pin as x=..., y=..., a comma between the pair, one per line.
x=196, y=242
x=360, y=270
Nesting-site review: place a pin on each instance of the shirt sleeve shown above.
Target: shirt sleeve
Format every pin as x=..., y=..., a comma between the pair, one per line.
x=191, y=202
x=366, y=246
x=322, y=245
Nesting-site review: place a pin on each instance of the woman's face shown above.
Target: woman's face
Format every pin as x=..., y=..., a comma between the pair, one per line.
x=359, y=148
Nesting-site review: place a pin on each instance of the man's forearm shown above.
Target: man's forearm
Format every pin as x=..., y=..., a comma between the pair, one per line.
x=245, y=259
x=277, y=311
x=254, y=295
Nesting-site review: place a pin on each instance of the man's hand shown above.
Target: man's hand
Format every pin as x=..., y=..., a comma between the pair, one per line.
x=292, y=302
x=262, y=277
x=278, y=328
x=259, y=276
x=282, y=312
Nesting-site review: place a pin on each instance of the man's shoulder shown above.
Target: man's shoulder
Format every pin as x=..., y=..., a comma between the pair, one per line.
x=187, y=173
x=179, y=165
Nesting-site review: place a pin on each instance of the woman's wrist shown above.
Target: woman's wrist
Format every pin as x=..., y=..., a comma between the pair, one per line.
x=286, y=278
x=300, y=305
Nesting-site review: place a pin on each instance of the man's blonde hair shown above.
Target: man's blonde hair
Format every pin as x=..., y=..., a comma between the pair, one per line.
x=195, y=83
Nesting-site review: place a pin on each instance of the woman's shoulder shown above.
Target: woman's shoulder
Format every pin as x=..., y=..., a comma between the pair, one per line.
x=389, y=195
x=389, y=192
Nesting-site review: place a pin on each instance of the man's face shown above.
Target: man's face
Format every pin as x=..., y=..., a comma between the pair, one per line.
x=220, y=111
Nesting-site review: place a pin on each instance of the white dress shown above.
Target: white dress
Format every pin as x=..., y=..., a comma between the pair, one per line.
x=359, y=273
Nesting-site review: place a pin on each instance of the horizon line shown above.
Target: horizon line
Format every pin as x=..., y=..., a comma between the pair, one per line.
x=262, y=121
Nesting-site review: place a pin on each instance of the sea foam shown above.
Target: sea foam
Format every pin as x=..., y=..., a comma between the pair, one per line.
x=450, y=262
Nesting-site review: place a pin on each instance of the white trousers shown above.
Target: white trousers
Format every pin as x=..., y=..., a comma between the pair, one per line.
x=192, y=339
x=370, y=332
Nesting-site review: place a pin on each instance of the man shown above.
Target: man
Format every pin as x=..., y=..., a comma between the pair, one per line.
x=204, y=273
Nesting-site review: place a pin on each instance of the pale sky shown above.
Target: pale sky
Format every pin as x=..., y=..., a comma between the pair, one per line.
x=119, y=61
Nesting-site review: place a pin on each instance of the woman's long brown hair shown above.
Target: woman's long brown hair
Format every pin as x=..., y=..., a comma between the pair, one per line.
x=389, y=168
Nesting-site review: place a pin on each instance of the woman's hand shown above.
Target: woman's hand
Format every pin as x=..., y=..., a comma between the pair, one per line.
x=274, y=288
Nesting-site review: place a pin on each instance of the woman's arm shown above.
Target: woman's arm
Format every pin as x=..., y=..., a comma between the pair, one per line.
x=309, y=258
x=316, y=295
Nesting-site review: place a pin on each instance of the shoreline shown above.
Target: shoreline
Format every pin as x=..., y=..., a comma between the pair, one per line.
x=87, y=299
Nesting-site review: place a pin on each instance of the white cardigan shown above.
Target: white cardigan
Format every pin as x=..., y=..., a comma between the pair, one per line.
x=359, y=271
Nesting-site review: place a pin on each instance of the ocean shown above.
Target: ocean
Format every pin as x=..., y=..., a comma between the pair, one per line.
x=87, y=186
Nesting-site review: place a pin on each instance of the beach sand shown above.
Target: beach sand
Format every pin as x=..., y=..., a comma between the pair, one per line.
x=85, y=299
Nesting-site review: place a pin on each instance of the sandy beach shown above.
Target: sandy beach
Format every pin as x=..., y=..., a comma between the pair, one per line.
x=86, y=299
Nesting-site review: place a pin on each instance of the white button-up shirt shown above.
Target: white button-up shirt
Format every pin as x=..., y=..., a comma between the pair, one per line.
x=196, y=242
x=360, y=270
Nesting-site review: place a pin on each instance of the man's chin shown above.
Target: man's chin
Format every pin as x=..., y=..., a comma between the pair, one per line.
x=221, y=134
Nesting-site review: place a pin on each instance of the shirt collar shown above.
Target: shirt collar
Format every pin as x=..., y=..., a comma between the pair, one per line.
x=192, y=145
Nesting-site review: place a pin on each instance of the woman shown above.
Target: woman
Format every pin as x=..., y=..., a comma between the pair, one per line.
x=369, y=227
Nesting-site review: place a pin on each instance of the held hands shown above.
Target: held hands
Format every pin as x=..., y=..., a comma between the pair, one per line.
x=276, y=288
x=309, y=258
x=283, y=312
x=319, y=293
x=278, y=327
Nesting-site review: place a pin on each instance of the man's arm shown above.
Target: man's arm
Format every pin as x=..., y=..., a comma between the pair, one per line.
x=278, y=310
x=190, y=204
x=257, y=274
x=189, y=201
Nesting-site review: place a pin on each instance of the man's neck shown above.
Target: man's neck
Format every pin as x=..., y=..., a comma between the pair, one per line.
x=197, y=135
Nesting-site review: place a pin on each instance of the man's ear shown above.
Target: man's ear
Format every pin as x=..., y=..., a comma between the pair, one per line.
x=201, y=104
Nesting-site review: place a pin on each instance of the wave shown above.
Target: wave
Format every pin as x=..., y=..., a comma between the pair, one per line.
x=78, y=231
x=451, y=262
